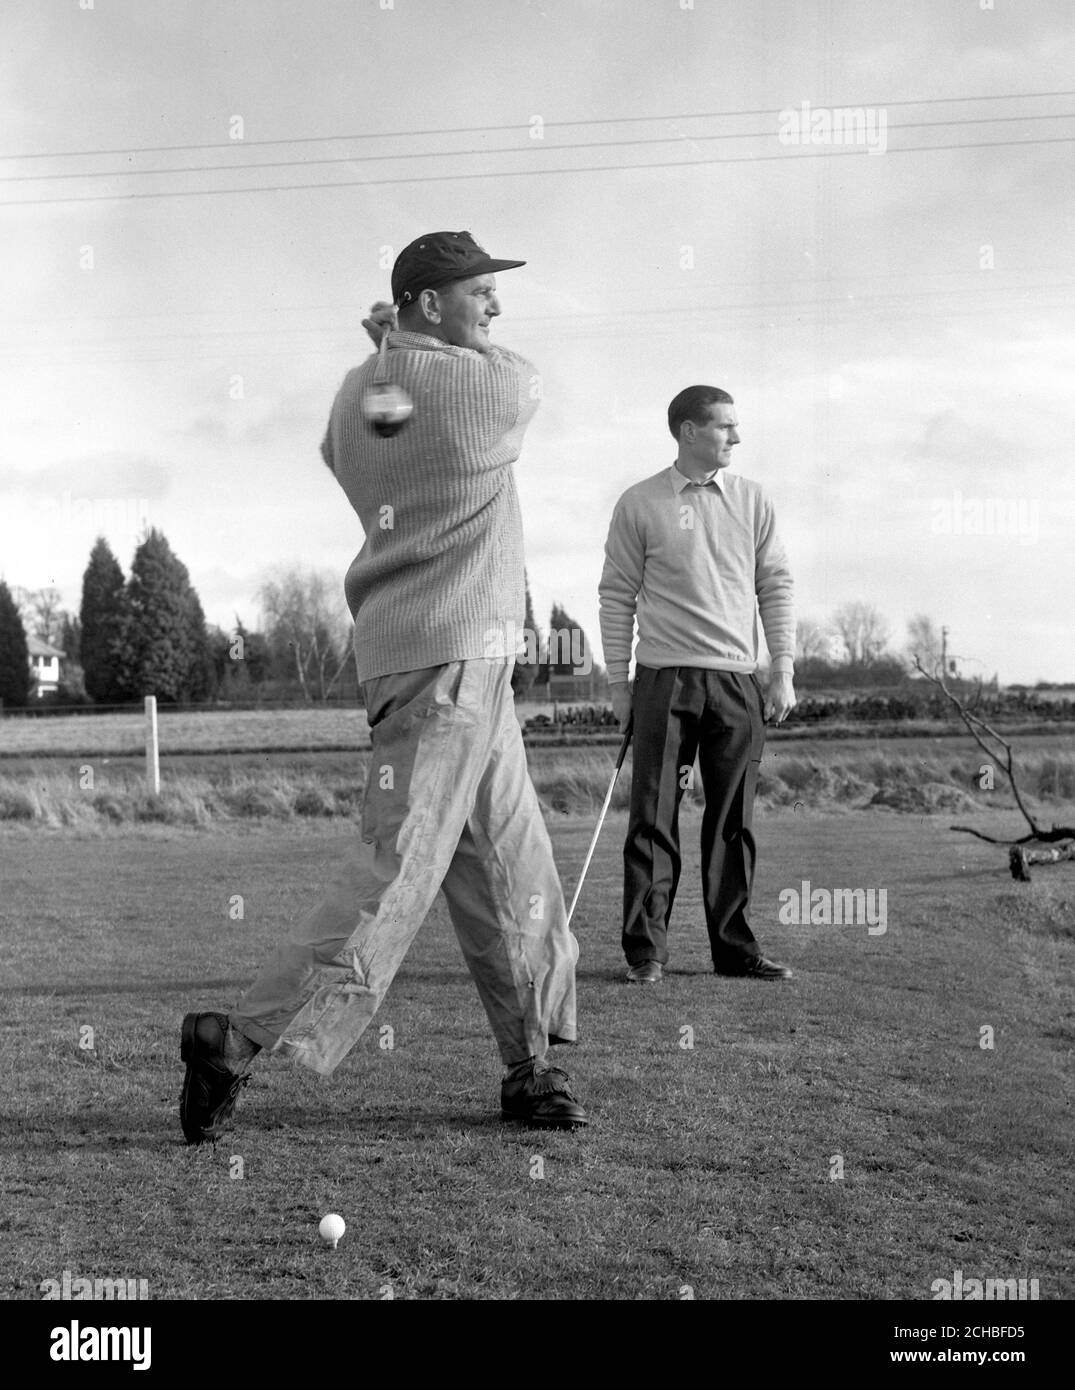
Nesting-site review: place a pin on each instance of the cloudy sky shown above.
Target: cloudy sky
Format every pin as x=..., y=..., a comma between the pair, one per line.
x=890, y=302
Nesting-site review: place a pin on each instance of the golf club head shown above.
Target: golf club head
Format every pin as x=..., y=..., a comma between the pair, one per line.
x=386, y=408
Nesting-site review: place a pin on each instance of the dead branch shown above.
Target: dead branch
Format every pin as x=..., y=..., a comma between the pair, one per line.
x=1057, y=832
x=1019, y=860
x=980, y=731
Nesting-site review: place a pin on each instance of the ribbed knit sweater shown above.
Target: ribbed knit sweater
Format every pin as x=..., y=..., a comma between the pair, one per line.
x=696, y=563
x=440, y=577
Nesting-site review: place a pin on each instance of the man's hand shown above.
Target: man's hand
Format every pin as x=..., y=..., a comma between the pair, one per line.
x=779, y=698
x=382, y=316
x=621, y=702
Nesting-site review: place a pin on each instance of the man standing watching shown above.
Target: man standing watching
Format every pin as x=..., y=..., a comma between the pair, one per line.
x=693, y=554
x=437, y=595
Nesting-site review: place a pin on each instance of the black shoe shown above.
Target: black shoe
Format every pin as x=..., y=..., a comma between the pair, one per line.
x=755, y=968
x=210, y=1087
x=647, y=972
x=543, y=1099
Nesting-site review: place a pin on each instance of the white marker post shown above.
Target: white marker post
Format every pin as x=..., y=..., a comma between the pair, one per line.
x=153, y=764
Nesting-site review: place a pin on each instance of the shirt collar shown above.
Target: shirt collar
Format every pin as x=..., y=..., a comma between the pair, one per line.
x=681, y=481
x=403, y=337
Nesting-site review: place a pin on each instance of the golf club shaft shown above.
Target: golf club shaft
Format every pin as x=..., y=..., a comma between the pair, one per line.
x=601, y=818
x=380, y=372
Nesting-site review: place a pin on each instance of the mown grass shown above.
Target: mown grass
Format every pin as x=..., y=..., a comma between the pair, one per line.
x=342, y=728
x=707, y=1166
x=192, y=731
x=93, y=794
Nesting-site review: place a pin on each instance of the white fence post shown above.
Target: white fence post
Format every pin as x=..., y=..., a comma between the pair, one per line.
x=153, y=766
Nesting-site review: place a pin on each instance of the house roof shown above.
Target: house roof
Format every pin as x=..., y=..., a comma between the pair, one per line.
x=38, y=648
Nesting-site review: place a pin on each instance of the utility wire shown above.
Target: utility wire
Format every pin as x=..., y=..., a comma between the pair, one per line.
x=246, y=310
x=347, y=335
x=535, y=147
x=525, y=173
x=349, y=352
x=844, y=301
x=523, y=125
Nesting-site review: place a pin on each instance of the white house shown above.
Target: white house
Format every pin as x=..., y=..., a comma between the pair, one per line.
x=44, y=665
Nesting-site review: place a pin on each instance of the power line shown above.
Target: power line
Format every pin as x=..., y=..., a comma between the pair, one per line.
x=523, y=125
x=246, y=310
x=535, y=147
x=525, y=173
x=846, y=301
x=607, y=324
x=347, y=353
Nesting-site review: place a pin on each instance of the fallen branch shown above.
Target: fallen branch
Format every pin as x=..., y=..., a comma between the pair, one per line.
x=1056, y=832
x=1019, y=859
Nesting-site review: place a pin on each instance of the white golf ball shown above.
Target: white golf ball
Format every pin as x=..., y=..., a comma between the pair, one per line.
x=331, y=1229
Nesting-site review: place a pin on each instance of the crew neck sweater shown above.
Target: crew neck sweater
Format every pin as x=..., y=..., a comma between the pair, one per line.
x=440, y=576
x=696, y=564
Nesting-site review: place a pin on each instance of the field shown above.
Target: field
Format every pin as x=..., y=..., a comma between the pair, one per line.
x=898, y=1111
x=844, y=1135
x=198, y=731
x=212, y=788
x=329, y=729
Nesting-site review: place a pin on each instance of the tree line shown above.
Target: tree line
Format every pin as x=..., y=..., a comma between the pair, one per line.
x=146, y=634
x=853, y=648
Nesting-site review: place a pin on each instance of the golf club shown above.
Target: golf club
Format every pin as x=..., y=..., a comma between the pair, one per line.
x=386, y=407
x=601, y=818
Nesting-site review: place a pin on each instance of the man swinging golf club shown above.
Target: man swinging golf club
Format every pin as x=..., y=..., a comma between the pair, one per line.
x=437, y=595
x=693, y=553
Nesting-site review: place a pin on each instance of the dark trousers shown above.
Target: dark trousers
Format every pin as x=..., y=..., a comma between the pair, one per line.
x=681, y=712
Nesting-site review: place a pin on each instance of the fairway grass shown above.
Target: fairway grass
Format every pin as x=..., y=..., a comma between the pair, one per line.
x=187, y=731
x=711, y=1167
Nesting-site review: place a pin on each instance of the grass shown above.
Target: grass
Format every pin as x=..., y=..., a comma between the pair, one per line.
x=214, y=790
x=195, y=731
x=341, y=729
x=708, y=1167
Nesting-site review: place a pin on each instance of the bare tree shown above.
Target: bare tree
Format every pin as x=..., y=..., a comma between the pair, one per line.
x=999, y=750
x=862, y=630
x=305, y=615
x=924, y=643
x=40, y=611
x=23, y=599
x=46, y=615
x=812, y=640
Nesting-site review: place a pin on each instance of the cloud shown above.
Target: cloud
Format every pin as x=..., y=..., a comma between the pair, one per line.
x=948, y=438
x=92, y=477
x=284, y=417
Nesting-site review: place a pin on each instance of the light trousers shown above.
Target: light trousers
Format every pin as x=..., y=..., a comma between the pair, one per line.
x=449, y=806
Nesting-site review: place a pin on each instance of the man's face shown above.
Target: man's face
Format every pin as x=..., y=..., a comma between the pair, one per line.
x=713, y=442
x=467, y=308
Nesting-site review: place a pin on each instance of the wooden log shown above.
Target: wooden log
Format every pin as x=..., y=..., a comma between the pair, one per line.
x=1020, y=859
